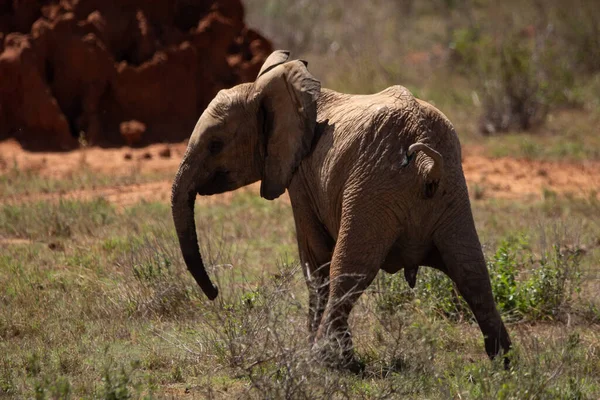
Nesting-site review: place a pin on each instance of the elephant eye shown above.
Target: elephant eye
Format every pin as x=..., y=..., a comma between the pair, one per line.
x=215, y=147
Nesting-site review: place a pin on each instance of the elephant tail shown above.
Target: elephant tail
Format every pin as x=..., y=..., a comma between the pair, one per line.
x=435, y=169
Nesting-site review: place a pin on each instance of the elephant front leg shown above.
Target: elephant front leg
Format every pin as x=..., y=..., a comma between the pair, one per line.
x=334, y=339
x=317, y=281
x=363, y=242
x=315, y=247
x=318, y=297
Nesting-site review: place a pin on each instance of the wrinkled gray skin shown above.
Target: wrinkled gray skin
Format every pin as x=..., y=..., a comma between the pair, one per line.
x=375, y=182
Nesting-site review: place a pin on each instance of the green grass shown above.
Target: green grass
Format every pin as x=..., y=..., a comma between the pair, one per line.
x=106, y=309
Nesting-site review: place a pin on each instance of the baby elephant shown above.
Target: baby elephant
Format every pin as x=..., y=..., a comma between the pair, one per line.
x=375, y=182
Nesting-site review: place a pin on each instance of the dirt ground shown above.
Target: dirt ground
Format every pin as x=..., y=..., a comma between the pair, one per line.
x=507, y=178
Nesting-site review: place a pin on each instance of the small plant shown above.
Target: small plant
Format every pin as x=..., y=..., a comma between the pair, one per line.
x=177, y=374
x=57, y=388
x=553, y=283
x=120, y=383
x=159, y=288
x=116, y=385
x=34, y=365
x=391, y=293
x=525, y=286
x=504, y=268
x=153, y=270
x=7, y=384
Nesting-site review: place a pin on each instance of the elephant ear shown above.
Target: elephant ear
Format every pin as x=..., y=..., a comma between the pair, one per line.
x=288, y=96
x=276, y=58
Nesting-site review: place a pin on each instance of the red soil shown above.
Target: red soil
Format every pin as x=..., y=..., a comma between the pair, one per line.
x=509, y=178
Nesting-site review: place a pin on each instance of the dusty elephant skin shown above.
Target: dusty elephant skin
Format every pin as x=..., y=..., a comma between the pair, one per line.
x=375, y=182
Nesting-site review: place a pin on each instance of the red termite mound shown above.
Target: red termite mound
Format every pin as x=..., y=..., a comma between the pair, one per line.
x=118, y=72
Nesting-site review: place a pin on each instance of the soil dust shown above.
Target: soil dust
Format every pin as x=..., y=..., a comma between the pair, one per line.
x=504, y=177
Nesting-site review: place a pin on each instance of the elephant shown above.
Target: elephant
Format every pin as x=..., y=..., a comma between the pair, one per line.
x=375, y=183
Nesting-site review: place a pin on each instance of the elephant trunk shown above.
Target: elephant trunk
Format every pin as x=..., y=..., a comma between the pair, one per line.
x=182, y=206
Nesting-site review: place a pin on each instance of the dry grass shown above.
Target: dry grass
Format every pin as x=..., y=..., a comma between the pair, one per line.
x=106, y=309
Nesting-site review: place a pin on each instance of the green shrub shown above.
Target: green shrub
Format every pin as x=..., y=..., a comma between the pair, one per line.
x=552, y=285
x=116, y=384
x=519, y=79
x=434, y=292
x=503, y=269
x=52, y=388
x=578, y=24
x=525, y=286
x=532, y=287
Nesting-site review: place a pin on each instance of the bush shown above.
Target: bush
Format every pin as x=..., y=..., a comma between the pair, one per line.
x=519, y=78
x=160, y=287
x=120, y=383
x=578, y=24
x=532, y=287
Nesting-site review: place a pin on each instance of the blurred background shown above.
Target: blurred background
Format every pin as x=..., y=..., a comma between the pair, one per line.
x=495, y=68
x=134, y=73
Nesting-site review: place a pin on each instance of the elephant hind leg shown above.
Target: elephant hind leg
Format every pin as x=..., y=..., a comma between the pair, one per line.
x=465, y=265
x=476, y=290
x=334, y=339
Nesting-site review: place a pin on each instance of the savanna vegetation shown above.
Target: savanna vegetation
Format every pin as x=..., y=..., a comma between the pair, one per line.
x=96, y=302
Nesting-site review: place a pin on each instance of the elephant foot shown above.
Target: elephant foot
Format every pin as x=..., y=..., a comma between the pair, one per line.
x=348, y=363
x=499, y=345
x=354, y=366
x=337, y=353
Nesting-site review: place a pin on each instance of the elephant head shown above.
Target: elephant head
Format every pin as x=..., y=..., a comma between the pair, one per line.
x=251, y=132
